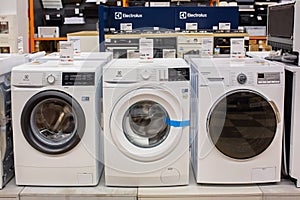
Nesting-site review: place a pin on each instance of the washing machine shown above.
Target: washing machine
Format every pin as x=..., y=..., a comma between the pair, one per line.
x=146, y=122
x=291, y=113
x=7, y=62
x=237, y=120
x=106, y=56
x=56, y=122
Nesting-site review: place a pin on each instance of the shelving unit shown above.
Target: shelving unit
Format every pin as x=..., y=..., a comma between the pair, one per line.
x=32, y=38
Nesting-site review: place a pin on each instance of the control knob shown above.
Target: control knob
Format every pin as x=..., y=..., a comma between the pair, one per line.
x=51, y=79
x=146, y=74
x=242, y=78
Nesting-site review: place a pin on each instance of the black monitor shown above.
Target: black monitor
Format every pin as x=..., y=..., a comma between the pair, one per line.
x=281, y=21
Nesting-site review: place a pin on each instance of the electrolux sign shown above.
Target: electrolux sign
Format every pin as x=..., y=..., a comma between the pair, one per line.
x=206, y=17
x=142, y=17
x=186, y=15
x=120, y=15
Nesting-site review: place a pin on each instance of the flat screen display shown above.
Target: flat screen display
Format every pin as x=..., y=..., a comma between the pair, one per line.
x=281, y=21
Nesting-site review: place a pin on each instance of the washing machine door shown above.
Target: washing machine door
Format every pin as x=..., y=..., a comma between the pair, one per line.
x=141, y=123
x=242, y=124
x=53, y=122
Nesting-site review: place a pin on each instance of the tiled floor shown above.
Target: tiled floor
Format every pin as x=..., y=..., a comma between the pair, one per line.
x=10, y=191
x=100, y=192
x=285, y=190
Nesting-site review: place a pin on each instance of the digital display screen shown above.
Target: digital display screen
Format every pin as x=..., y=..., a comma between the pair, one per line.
x=281, y=21
x=79, y=78
x=179, y=74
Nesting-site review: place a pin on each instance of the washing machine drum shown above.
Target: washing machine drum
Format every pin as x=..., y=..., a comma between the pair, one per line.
x=53, y=122
x=242, y=124
x=144, y=124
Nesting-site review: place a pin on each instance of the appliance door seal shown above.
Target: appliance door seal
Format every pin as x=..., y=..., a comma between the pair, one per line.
x=53, y=122
x=139, y=123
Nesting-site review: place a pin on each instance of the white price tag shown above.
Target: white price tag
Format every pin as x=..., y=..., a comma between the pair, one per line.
x=207, y=47
x=76, y=11
x=146, y=48
x=76, y=41
x=47, y=17
x=126, y=27
x=191, y=26
x=66, y=54
x=237, y=48
x=224, y=26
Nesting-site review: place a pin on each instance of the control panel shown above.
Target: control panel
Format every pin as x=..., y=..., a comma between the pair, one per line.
x=78, y=78
x=268, y=78
x=178, y=74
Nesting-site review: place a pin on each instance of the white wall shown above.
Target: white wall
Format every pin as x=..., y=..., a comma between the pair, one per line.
x=9, y=7
x=19, y=8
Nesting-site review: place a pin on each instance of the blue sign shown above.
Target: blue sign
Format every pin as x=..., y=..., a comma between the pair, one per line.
x=206, y=17
x=142, y=17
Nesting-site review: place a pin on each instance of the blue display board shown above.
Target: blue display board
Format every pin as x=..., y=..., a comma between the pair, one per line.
x=142, y=17
x=206, y=17
x=164, y=17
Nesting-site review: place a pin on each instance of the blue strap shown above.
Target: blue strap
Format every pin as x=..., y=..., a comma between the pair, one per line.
x=177, y=123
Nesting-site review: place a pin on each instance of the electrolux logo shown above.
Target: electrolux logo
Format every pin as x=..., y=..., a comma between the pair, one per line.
x=120, y=15
x=182, y=15
x=186, y=15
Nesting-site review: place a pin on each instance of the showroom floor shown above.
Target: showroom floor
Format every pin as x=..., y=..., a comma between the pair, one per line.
x=284, y=190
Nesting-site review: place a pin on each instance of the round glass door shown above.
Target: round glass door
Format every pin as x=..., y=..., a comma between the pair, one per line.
x=53, y=122
x=144, y=124
x=242, y=124
x=139, y=127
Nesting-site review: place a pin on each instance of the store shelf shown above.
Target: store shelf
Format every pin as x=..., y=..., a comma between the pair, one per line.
x=50, y=39
x=257, y=37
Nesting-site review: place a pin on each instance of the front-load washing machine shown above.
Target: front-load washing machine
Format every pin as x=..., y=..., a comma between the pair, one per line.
x=105, y=56
x=146, y=119
x=57, y=134
x=7, y=62
x=237, y=120
x=292, y=116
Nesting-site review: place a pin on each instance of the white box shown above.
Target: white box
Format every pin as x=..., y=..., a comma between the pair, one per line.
x=48, y=32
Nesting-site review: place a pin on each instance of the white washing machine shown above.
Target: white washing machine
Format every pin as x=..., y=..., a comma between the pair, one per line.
x=146, y=119
x=57, y=134
x=237, y=120
x=7, y=62
x=292, y=116
x=105, y=56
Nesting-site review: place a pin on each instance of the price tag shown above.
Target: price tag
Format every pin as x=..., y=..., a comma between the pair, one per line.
x=237, y=48
x=76, y=43
x=224, y=26
x=126, y=27
x=191, y=26
x=146, y=48
x=66, y=54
